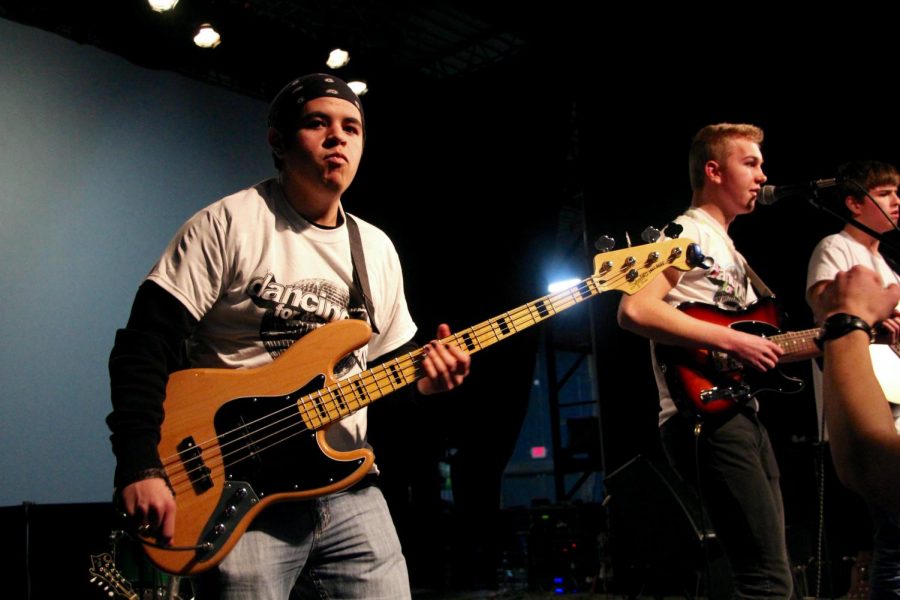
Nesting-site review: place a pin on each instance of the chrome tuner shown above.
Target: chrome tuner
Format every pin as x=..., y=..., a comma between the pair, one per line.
x=604, y=243
x=651, y=235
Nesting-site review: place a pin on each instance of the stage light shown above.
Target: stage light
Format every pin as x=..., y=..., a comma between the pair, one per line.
x=207, y=37
x=337, y=59
x=558, y=286
x=162, y=5
x=359, y=87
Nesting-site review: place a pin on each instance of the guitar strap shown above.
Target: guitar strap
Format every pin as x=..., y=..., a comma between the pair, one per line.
x=702, y=217
x=761, y=288
x=360, y=276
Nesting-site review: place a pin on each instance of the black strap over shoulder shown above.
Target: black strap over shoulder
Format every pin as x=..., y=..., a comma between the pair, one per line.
x=360, y=276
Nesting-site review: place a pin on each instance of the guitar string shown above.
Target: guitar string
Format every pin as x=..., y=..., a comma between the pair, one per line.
x=523, y=315
x=308, y=413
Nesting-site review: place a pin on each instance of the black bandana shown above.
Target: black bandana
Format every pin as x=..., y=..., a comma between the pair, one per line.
x=284, y=112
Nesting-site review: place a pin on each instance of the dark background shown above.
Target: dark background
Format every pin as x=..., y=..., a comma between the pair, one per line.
x=484, y=145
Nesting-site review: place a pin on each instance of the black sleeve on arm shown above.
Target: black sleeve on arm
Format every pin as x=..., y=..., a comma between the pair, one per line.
x=146, y=351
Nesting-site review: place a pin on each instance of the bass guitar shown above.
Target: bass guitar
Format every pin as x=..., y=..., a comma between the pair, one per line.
x=235, y=441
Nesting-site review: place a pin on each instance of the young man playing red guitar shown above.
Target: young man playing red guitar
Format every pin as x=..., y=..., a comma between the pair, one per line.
x=869, y=193
x=738, y=474
x=242, y=281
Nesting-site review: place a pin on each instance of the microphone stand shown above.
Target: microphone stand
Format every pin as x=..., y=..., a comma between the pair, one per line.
x=892, y=260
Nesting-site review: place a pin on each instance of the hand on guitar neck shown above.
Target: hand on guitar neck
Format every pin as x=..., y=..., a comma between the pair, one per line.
x=445, y=365
x=756, y=351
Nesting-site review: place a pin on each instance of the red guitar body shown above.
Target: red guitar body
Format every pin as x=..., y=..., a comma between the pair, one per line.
x=706, y=382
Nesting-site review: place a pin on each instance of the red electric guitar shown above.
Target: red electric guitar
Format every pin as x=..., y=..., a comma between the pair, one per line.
x=708, y=382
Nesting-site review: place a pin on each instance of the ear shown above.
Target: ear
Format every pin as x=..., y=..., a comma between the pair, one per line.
x=853, y=205
x=276, y=141
x=713, y=171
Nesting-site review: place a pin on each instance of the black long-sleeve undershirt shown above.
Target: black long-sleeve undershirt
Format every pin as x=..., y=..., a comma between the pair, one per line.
x=146, y=351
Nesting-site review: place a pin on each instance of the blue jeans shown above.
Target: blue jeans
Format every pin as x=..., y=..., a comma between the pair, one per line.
x=739, y=484
x=884, y=576
x=339, y=546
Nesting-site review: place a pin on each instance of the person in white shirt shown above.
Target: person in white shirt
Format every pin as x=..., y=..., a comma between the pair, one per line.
x=738, y=473
x=239, y=283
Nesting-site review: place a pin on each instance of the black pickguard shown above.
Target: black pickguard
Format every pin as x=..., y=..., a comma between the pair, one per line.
x=265, y=443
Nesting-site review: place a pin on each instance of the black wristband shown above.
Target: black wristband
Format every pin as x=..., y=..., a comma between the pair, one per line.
x=841, y=324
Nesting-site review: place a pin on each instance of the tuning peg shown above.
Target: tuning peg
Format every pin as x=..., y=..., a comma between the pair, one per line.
x=604, y=243
x=673, y=230
x=696, y=258
x=650, y=235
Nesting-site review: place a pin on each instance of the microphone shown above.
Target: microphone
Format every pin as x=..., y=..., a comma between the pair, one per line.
x=770, y=194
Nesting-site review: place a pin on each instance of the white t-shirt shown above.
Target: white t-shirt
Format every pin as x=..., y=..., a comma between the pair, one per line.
x=258, y=276
x=841, y=252
x=725, y=284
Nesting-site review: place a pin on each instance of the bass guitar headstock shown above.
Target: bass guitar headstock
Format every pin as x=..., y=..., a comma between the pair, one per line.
x=630, y=269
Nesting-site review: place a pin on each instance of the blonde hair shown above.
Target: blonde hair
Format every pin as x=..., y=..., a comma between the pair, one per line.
x=711, y=143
